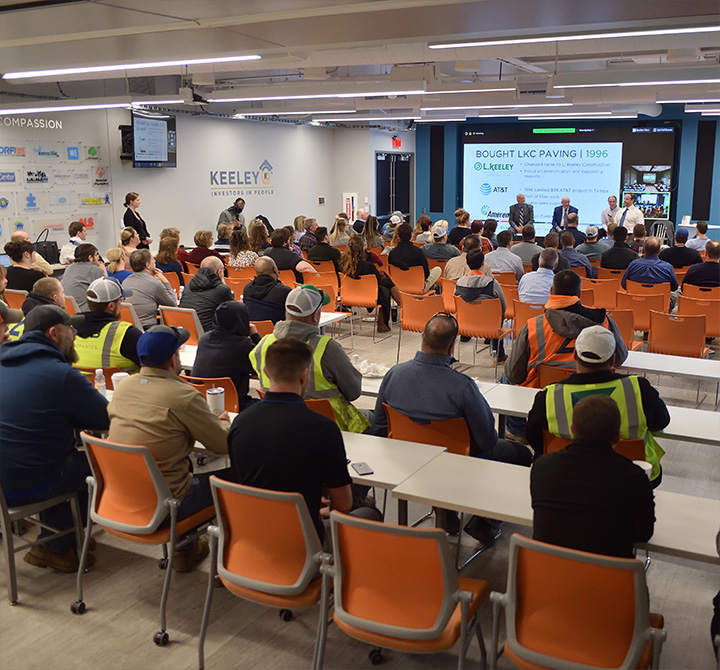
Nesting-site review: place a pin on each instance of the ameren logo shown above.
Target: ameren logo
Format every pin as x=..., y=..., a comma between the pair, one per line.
x=250, y=180
x=12, y=151
x=25, y=122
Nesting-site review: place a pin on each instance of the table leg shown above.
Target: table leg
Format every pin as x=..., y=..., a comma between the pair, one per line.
x=402, y=512
x=501, y=425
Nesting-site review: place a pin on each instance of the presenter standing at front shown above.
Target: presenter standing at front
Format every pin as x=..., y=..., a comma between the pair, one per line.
x=520, y=215
x=607, y=216
x=560, y=215
x=629, y=216
x=131, y=219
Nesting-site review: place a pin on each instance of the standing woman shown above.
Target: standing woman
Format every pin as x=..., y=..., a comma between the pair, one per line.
x=133, y=220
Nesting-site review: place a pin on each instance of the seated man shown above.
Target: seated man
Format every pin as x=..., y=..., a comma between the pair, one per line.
x=576, y=260
x=334, y=376
x=526, y=249
x=439, y=249
x=158, y=410
x=322, y=251
x=43, y=400
x=103, y=340
x=707, y=273
x=265, y=295
x=77, y=233
x=681, y=255
x=39, y=263
x=591, y=248
x=406, y=255
x=535, y=286
x=284, y=257
x=308, y=240
x=149, y=288
x=588, y=497
x=651, y=270
x=701, y=239
x=439, y=392
x=48, y=291
x=268, y=451
x=572, y=228
x=457, y=267
x=206, y=290
x=561, y=215
x=552, y=241
x=502, y=259
x=620, y=255
x=7, y=317
x=594, y=359
x=84, y=271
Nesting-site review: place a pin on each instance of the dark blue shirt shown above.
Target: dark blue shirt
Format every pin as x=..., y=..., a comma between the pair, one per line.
x=650, y=270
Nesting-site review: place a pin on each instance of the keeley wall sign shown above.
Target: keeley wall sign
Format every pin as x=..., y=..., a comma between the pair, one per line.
x=242, y=182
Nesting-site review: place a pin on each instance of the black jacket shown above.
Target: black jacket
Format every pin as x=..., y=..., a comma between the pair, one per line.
x=618, y=257
x=406, y=255
x=265, y=299
x=204, y=293
x=34, y=300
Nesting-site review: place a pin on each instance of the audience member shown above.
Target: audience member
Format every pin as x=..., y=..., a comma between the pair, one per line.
x=43, y=400
x=45, y=291
x=167, y=258
x=552, y=241
x=117, y=261
x=607, y=216
x=587, y=497
x=158, y=410
x=241, y=256
x=406, y=255
x=642, y=410
x=461, y=229
x=7, y=317
x=339, y=234
x=293, y=245
x=222, y=244
x=423, y=218
x=149, y=288
x=103, y=340
x=129, y=241
x=526, y=249
x=206, y=290
x=182, y=255
x=258, y=236
x=284, y=258
x=370, y=233
x=535, y=286
x=233, y=215
x=576, y=259
x=391, y=227
x=457, y=267
x=77, y=233
x=84, y=271
x=322, y=251
x=620, y=255
x=267, y=451
x=651, y=270
x=225, y=350
x=502, y=259
x=638, y=241
x=707, y=273
x=629, y=215
x=359, y=224
x=334, y=376
x=572, y=227
x=265, y=295
x=680, y=255
x=439, y=248
x=22, y=275
x=701, y=239
x=203, y=241
x=424, y=235
x=309, y=240
x=591, y=248
x=488, y=232
x=39, y=262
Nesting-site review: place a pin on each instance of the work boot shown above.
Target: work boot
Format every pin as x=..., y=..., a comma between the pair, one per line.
x=186, y=559
x=60, y=561
x=483, y=531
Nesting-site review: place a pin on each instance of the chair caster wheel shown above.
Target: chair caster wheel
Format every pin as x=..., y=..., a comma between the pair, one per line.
x=163, y=563
x=161, y=638
x=201, y=461
x=78, y=607
x=286, y=615
x=375, y=657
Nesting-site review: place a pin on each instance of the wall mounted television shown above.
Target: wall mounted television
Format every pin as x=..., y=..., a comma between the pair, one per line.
x=154, y=140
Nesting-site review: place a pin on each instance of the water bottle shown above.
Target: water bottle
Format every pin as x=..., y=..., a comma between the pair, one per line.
x=100, y=381
x=356, y=361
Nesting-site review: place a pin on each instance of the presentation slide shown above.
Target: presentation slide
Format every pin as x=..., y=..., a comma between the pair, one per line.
x=151, y=139
x=544, y=173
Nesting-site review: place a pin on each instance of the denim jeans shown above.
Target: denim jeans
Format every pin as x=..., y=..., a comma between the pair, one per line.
x=517, y=425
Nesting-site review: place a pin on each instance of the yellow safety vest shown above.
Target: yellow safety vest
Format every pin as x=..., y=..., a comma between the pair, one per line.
x=347, y=416
x=102, y=350
x=561, y=398
x=15, y=333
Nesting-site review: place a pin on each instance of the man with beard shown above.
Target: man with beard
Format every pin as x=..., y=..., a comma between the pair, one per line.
x=43, y=399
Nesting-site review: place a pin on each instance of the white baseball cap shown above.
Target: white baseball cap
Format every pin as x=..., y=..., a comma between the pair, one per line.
x=595, y=344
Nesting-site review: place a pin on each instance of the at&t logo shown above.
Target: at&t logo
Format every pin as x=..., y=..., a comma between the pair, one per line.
x=486, y=189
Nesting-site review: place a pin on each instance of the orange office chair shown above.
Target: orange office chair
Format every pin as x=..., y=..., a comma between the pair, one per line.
x=551, y=374
x=524, y=311
x=287, y=277
x=183, y=317
x=264, y=327
x=411, y=280
x=437, y=263
x=527, y=267
x=480, y=319
x=174, y=282
x=587, y=297
x=108, y=372
x=323, y=267
x=202, y=384
x=320, y=406
x=238, y=285
x=447, y=287
x=625, y=321
x=609, y=273
x=359, y=292
x=511, y=295
x=641, y=305
x=415, y=312
x=505, y=278
x=638, y=288
x=702, y=292
x=604, y=291
x=129, y=498
x=241, y=272
x=453, y=434
x=332, y=291
x=384, y=599
x=128, y=313
x=631, y=449
x=264, y=548
x=15, y=298
x=10, y=514
x=594, y=262
x=71, y=306
x=579, y=270
x=708, y=308
x=677, y=335
x=192, y=267
x=187, y=277
x=323, y=278
x=572, y=609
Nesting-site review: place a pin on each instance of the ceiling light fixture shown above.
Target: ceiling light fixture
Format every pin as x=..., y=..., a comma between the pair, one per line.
x=389, y=117
x=115, y=102
x=452, y=109
x=703, y=108
x=301, y=113
x=687, y=101
x=125, y=66
x=610, y=78
x=577, y=36
x=71, y=107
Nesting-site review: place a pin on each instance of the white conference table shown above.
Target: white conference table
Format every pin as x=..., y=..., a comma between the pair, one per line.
x=677, y=366
x=371, y=386
x=686, y=526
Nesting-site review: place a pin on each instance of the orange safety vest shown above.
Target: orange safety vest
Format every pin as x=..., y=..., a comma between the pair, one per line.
x=547, y=347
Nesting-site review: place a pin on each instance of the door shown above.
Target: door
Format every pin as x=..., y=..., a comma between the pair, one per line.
x=393, y=183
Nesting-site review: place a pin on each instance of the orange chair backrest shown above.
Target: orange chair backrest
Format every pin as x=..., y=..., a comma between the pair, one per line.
x=186, y=277
x=640, y=288
x=411, y=280
x=504, y=278
x=524, y=311
x=238, y=285
x=609, y=273
x=202, y=384
x=71, y=306
x=174, y=281
x=126, y=492
x=479, y=319
x=323, y=278
x=192, y=267
x=127, y=313
x=511, y=294
x=704, y=292
x=641, y=306
x=15, y=299
x=359, y=292
x=380, y=584
x=321, y=406
x=448, y=294
x=417, y=310
x=551, y=374
x=632, y=449
x=562, y=604
x=625, y=321
x=594, y=262
x=237, y=273
x=375, y=250
x=437, y=263
x=332, y=291
x=453, y=434
x=182, y=317
x=709, y=308
x=323, y=266
x=275, y=557
x=527, y=267
x=579, y=270
x=677, y=335
x=287, y=277
x=264, y=327
x=587, y=297
x=604, y=291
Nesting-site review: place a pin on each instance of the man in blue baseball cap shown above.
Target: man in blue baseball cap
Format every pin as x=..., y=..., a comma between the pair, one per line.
x=158, y=410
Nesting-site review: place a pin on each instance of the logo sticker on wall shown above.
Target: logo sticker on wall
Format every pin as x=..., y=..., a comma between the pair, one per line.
x=93, y=153
x=7, y=177
x=4, y=203
x=36, y=177
x=242, y=182
x=14, y=151
x=73, y=153
x=46, y=152
x=18, y=225
x=100, y=177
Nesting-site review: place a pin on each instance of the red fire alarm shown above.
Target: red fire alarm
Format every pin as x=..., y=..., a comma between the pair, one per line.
x=396, y=142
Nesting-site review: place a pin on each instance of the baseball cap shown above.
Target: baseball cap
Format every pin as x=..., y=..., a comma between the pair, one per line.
x=47, y=316
x=106, y=289
x=591, y=231
x=595, y=344
x=8, y=315
x=439, y=231
x=158, y=344
x=682, y=232
x=305, y=300
x=395, y=219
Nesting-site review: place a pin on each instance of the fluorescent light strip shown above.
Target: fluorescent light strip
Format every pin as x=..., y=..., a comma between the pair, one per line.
x=315, y=111
x=674, y=82
x=584, y=118
x=701, y=108
x=577, y=37
x=370, y=118
x=65, y=108
x=710, y=113
x=452, y=109
x=143, y=103
x=460, y=119
x=567, y=114
x=372, y=94
x=124, y=66
x=687, y=101
x=473, y=90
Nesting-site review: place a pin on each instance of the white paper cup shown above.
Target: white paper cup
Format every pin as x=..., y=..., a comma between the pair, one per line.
x=118, y=377
x=646, y=467
x=216, y=400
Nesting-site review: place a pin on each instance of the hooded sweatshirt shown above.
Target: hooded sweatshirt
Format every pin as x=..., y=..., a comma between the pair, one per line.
x=34, y=300
x=43, y=400
x=265, y=298
x=203, y=294
x=223, y=352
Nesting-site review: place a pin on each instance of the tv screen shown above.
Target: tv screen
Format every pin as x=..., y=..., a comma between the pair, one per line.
x=584, y=161
x=154, y=140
